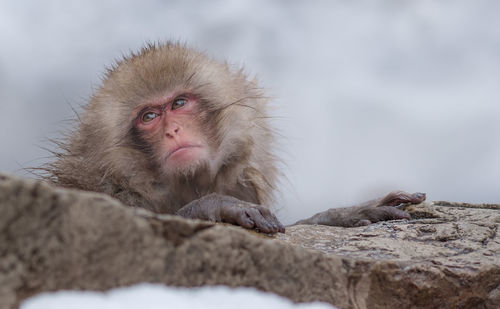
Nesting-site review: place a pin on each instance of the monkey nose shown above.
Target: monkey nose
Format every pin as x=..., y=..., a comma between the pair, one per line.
x=172, y=131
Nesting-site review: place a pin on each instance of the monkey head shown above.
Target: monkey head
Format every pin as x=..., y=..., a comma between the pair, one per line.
x=166, y=113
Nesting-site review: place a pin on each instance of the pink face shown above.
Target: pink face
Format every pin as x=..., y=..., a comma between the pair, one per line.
x=170, y=126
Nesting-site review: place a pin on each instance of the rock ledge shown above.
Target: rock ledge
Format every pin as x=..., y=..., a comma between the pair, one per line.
x=53, y=239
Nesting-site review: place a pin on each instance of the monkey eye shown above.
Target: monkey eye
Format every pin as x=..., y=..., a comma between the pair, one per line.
x=148, y=117
x=178, y=103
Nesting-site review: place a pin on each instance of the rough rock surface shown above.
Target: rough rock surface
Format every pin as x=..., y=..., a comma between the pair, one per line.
x=52, y=239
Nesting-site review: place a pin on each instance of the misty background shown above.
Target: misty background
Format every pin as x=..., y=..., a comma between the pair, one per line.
x=371, y=96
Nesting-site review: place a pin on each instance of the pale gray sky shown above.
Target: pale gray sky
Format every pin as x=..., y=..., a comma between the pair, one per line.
x=373, y=95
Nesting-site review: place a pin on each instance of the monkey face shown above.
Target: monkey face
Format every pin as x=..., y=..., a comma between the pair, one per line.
x=170, y=126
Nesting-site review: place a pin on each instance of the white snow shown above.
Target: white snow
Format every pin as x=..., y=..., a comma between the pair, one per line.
x=149, y=296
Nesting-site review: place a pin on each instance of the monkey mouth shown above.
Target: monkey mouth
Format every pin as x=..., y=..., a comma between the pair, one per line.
x=180, y=150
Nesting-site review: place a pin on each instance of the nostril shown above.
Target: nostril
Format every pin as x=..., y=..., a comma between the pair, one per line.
x=172, y=129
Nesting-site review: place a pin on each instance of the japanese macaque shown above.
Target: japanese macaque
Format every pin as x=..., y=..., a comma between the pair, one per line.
x=174, y=131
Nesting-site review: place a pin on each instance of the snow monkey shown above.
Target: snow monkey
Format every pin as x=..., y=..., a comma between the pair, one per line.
x=174, y=131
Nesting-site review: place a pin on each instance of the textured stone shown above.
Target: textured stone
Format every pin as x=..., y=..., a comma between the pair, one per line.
x=52, y=239
x=447, y=258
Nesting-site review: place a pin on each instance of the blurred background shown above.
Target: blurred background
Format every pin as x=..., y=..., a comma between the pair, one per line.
x=371, y=96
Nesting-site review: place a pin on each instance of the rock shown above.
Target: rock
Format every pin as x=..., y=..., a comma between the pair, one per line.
x=449, y=258
x=53, y=239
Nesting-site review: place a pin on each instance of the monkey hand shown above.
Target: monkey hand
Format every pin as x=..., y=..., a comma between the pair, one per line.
x=367, y=213
x=223, y=208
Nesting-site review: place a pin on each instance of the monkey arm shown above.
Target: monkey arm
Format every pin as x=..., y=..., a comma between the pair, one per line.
x=222, y=208
x=367, y=213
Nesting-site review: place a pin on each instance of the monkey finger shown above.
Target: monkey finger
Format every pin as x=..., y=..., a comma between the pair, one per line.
x=236, y=215
x=392, y=213
x=261, y=223
x=272, y=219
x=362, y=223
x=243, y=220
x=400, y=197
x=382, y=213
